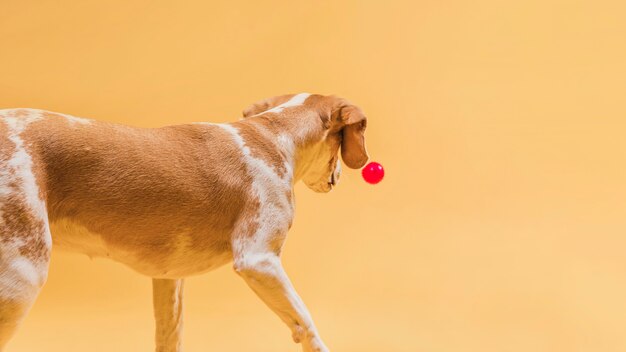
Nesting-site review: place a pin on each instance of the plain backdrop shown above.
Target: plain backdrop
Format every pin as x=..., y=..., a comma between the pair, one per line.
x=500, y=225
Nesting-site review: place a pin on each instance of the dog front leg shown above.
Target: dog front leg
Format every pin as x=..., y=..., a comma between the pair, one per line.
x=264, y=273
x=168, y=313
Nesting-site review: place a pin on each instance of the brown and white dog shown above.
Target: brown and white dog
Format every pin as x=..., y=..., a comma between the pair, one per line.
x=168, y=202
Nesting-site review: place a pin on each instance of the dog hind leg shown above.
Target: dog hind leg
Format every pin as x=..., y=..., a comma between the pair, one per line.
x=25, y=239
x=22, y=274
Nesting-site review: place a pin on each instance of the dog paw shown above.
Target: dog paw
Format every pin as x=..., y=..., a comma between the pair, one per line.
x=298, y=334
x=314, y=345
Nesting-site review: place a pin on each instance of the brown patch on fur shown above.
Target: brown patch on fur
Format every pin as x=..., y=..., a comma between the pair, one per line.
x=19, y=113
x=18, y=219
x=11, y=313
x=145, y=191
x=7, y=149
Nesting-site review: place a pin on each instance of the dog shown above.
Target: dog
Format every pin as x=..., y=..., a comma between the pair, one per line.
x=169, y=202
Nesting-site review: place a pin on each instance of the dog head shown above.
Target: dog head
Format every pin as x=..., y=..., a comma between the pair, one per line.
x=322, y=126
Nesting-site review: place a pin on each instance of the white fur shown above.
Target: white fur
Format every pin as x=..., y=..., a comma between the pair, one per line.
x=265, y=179
x=287, y=145
x=23, y=272
x=20, y=278
x=76, y=120
x=296, y=100
x=28, y=272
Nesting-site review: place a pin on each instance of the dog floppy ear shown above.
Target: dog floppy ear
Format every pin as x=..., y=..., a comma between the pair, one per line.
x=353, y=150
x=266, y=104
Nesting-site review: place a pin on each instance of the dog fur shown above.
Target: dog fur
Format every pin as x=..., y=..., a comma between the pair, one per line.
x=168, y=202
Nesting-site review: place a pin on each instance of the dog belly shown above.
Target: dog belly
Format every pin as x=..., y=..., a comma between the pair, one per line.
x=177, y=263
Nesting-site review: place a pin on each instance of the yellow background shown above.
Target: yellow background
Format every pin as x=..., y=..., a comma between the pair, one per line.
x=500, y=225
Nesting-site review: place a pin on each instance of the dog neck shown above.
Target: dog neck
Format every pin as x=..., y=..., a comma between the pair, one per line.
x=296, y=134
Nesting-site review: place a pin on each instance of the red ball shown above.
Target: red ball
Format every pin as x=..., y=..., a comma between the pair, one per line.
x=373, y=173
